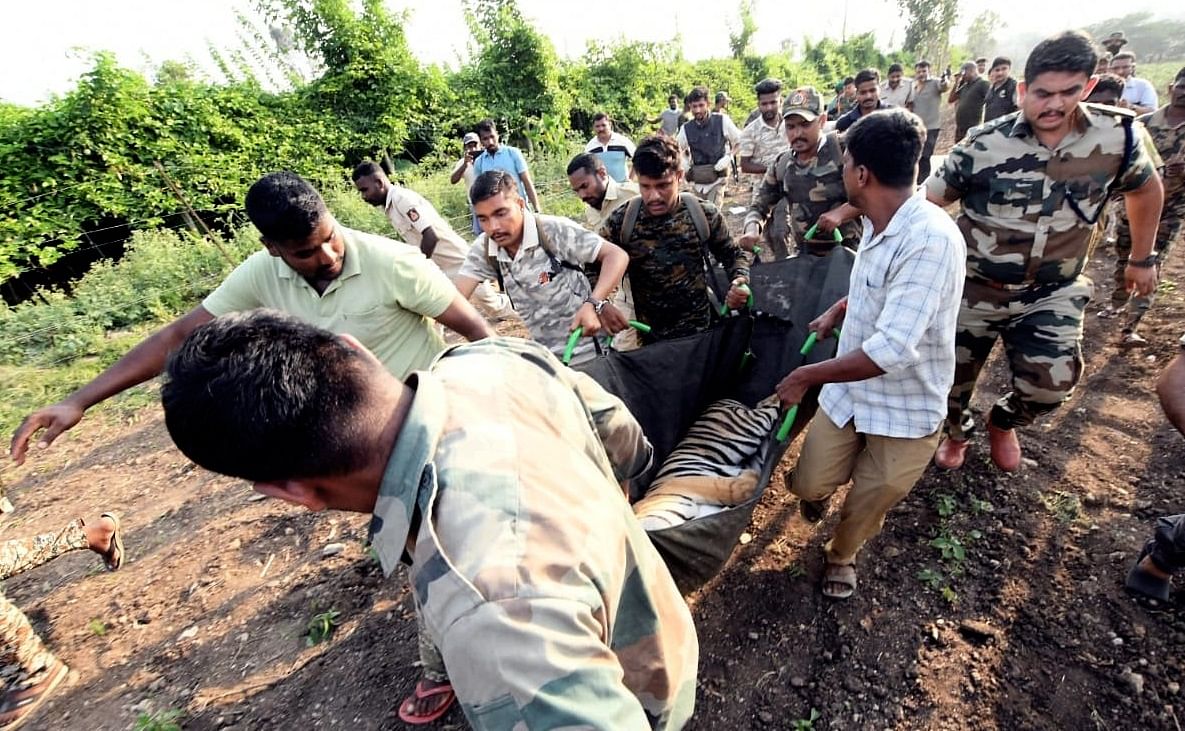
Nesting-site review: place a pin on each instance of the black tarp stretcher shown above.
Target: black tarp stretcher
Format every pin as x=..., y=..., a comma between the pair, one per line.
x=666, y=385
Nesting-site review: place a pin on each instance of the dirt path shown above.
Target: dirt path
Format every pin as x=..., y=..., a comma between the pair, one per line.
x=1034, y=631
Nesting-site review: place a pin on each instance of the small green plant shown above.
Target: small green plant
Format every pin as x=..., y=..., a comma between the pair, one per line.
x=162, y=721
x=978, y=507
x=808, y=723
x=945, y=504
x=1065, y=506
x=321, y=627
x=931, y=578
x=949, y=595
x=372, y=554
x=97, y=627
x=950, y=547
x=795, y=570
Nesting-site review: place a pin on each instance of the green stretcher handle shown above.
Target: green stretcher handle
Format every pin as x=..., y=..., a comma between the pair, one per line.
x=639, y=326
x=579, y=333
x=748, y=303
x=571, y=347
x=792, y=412
x=810, y=233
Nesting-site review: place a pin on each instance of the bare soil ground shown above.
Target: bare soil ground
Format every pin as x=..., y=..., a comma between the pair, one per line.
x=1031, y=629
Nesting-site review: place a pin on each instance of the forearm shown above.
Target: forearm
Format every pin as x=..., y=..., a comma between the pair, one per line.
x=748, y=166
x=531, y=194
x=614, y=262
x=855, y=366
x=1143, y=213
x=847, y=212
x=461, y=318
x=458, y=174
x=141, y=363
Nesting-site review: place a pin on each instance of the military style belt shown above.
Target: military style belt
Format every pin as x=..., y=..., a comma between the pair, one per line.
x=1031, y=284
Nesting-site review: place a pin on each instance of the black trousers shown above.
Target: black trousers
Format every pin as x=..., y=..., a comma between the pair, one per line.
x=927, y=153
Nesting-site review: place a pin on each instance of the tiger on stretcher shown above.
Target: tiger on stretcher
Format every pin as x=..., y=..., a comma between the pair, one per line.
x=715, y=466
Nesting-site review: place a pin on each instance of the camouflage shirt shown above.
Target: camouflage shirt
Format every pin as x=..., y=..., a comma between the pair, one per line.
x=1169, y=142
x=666, y=270
x=1028, y=211
x=546, y=290
x=547, y=600
x=810, y=191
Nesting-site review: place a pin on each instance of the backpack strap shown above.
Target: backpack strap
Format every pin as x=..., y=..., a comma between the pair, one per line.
x=550, y=249
x=699, y=219
x=497, y=267
x=632, y=208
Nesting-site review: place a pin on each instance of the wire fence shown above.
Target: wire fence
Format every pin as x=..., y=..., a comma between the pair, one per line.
x=40, y=339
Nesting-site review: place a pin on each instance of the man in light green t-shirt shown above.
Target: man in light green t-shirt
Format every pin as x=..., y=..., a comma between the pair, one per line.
x=345, y=281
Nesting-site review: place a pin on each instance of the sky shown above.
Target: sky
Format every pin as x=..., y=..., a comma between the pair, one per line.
x=46, y=44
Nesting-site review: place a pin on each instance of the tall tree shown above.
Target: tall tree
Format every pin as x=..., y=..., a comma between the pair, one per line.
x=928, y=27
x=981, y=34
x=740, y=40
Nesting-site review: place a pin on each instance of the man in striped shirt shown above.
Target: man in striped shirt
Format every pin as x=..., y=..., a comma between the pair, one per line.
x=884, y=395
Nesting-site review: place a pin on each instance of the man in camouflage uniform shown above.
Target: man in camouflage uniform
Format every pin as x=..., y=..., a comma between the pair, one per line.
x=40, y=671
x=538, y=260
x=497, y=474
x=809, y=177
x=1032, y=186
x=762, y=140
x=667, y=237
x=1166, y=128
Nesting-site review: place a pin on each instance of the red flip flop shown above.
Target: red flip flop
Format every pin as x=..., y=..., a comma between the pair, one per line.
x=407, y=708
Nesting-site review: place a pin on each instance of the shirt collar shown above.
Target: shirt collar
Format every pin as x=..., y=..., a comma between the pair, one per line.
x=530, y=236
x=897, y=223
x=406, y=481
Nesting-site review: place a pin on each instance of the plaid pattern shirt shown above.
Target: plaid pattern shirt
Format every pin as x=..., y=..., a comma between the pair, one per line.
x=903, y=306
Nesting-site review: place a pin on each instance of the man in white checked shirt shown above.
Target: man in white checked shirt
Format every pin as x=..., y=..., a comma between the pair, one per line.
x=884, y=394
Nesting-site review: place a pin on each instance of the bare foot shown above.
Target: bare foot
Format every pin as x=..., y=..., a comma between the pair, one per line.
x=99, y=534
x=1147, y=565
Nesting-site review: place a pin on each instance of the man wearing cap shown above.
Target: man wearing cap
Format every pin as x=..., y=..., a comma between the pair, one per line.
x=1003, y=97
x=464, y=169
x=418, y=222
x=722, y=102
x=927, y=104
x=809, y=176
x=706, y=143
x=496, y=475
x=762, y=140
x=970, y=93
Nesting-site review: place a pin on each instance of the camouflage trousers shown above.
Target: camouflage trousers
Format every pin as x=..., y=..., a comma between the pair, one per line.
x=1041, y=327
x=1172, y=220
x=19, y=643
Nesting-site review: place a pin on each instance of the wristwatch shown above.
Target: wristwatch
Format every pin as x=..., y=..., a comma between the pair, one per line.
x=598, y=305
x=1147, y=263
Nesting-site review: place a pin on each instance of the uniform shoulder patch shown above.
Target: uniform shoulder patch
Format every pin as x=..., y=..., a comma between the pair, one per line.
x=413, y=215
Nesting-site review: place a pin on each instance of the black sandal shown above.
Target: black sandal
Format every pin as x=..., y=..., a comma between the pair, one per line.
x=113, y=558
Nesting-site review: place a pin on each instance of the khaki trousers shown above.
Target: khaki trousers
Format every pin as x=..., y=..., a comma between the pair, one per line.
x=882, y=470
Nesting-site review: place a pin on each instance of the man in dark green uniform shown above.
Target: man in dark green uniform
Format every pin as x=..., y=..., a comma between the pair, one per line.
x=668, y=237
x=810, y=177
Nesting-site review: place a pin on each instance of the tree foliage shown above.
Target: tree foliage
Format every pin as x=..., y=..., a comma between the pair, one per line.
x=317, y=85
x=981, y=34
x=928, y=27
